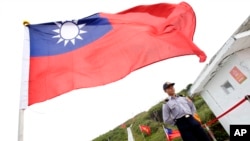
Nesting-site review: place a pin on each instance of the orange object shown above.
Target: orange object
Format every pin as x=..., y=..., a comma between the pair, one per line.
x=197, y=117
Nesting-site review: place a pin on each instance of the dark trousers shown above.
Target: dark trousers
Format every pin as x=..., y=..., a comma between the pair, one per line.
x=191, y=129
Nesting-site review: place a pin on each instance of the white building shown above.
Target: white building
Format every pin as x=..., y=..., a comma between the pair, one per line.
x=226, y=79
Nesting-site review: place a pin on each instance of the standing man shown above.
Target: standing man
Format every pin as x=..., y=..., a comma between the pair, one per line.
x=179, y=111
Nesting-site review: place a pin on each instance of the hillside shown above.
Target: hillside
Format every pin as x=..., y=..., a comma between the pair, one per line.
x=153, y=119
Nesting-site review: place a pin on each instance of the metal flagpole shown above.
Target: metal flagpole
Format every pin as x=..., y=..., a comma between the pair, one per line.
x=210, y=132
x=20, y=126
x=24, y=81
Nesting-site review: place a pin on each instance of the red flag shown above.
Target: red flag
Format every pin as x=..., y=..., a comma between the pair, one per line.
x=171, y=134
x=123, y=125
x=87, y=52
x=145, y=129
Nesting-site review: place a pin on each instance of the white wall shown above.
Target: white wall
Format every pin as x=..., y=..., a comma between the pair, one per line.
x=219, y=101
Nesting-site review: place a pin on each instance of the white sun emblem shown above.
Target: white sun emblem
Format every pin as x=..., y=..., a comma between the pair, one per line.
x=69, y=31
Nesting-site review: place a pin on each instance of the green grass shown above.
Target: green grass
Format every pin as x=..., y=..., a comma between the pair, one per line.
x=153, y=119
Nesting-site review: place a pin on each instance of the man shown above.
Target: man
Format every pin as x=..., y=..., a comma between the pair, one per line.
x=179, y=111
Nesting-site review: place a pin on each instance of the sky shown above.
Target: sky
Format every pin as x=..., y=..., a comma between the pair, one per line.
x=84, y=114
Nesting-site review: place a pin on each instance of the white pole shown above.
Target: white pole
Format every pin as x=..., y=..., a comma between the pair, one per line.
x=24, y=82
x=210, y=132
x=20, y=126
x=130, y=134
x=166, y=134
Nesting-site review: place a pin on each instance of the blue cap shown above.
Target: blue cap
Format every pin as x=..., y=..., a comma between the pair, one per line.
x=167, y=84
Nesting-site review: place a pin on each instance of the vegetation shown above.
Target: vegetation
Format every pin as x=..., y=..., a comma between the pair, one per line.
x=153, y=119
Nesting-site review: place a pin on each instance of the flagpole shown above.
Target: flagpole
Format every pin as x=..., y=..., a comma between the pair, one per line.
x=165, y=132
x=20, y=125
x=24, y=82
x=210, y=132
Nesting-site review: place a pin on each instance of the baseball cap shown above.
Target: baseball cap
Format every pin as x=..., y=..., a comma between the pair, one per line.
x=167, y=84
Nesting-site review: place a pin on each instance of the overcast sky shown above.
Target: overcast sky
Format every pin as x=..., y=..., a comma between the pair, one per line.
x=84, y=114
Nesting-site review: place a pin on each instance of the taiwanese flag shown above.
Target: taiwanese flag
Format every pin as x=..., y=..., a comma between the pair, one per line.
x=103, y=48
x=145, y=129
x=171, y=134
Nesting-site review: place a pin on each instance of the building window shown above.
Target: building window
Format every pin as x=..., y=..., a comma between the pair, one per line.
x=227, y=87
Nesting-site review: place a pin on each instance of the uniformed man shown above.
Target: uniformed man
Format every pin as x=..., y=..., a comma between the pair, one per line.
x=179, y=111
